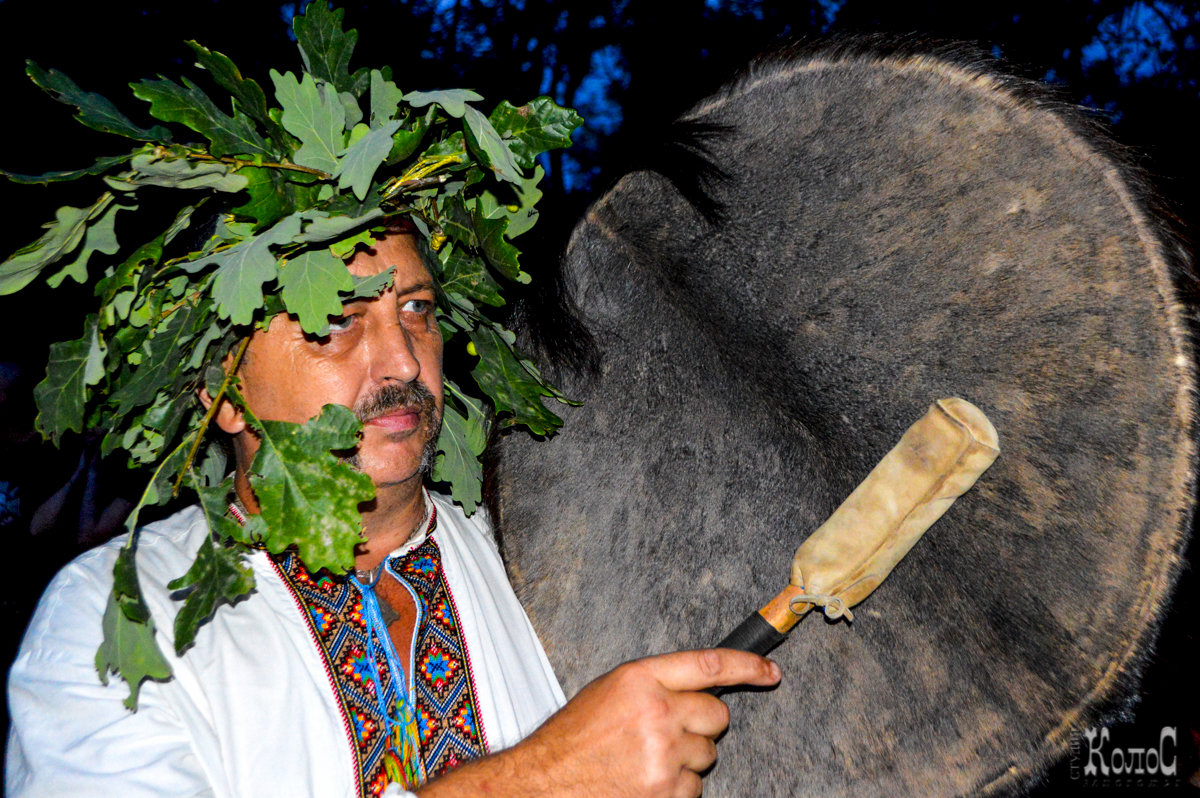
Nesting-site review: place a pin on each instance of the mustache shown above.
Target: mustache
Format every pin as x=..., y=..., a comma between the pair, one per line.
x=397, y=396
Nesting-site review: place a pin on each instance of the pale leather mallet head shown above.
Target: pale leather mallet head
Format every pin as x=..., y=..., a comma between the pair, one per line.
x=937, y=460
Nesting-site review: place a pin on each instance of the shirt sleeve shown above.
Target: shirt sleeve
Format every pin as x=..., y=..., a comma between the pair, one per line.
x=71, y=735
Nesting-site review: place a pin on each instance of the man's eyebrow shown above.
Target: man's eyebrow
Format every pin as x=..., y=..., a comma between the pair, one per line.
x=424, y=285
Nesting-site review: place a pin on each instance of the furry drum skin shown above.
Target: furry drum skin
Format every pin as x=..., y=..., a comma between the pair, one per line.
x=874, y=229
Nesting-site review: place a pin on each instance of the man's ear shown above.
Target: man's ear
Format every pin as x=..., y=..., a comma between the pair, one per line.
x=228, y=417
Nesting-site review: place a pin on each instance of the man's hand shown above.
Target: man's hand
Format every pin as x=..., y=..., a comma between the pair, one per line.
x=643, y=729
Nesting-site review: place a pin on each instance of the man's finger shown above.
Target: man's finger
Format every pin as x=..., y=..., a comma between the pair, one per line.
x=702, y=713
x=710, y=667
x=689, y=785
x=697, y=753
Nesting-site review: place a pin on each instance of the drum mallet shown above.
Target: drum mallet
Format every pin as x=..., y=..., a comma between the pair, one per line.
x=937, y=460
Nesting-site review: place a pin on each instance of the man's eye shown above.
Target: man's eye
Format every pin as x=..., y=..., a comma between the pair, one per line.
x=421, y=306
x=340, y=323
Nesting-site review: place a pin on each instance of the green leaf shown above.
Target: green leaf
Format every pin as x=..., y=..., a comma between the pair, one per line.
x=323, y=227
x=354, y=113
x=190, y=106
x=534, y=128
x=360, y=162
x=181, y=222
x=450, y=145
x=212, y=468
x=248, y=94
x=346, y=246
x=460, y=443
x=456, y=222
x=93, y=367
x=129, y=649
x=453, y=320
x=214, y=502
x=495, y=246
x=311, y=282
x=521, y=214
x=509, y=384
x=269, y=201
x=238, y=285
x=100, y=166
x=452, y=101
x=177, y=285
x=325, y=49
x=143, y=445
x=162, y=363
x=219, y=575
x=148, y=432
x=290, y=143
x=308, y=497
x=124, y=277
x=313, y=113
x=125, y=340
x=119, y=286
x=356, y=133
x=244, y=268
x=369, y=286
x=345, y=204
x=167, y=411
x=147, y=308
x=272, y=196
x=100, y=236
x=488, y=147
x=162, y=483
x=94, y=111
x=467, y=275
x=385, y=98
x=406, y=142
x=61, y=238
x=227, y=231
x=149, y=170
x=200, y=349
x=62, y=396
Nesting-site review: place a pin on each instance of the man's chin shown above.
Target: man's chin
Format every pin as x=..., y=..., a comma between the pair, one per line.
x=391, y=457
x=389, y=481
x=384, y=474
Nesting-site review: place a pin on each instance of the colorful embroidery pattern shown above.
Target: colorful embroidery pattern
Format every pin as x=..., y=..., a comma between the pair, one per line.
x=447, y=718
x=335, y=616
x=448, y=729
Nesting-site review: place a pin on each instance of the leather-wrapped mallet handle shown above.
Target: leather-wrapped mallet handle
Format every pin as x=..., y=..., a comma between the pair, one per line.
x=937, y=460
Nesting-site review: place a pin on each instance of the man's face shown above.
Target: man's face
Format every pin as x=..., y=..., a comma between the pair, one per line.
x=382, y=358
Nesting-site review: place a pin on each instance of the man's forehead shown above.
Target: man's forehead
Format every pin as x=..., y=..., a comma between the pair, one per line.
x=393, y=250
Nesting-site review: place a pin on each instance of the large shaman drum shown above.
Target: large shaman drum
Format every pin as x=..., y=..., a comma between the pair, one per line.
x=890, y=228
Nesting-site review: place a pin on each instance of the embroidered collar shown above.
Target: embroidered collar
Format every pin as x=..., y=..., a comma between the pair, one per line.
x=419, y=533
x=239, y=513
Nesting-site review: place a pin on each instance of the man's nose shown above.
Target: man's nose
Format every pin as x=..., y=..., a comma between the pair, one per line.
x=393, y=356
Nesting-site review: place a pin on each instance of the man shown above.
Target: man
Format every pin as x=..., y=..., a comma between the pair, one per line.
x=289, y=693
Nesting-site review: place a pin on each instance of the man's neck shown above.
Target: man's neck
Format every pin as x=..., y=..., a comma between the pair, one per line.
x=391, y=519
